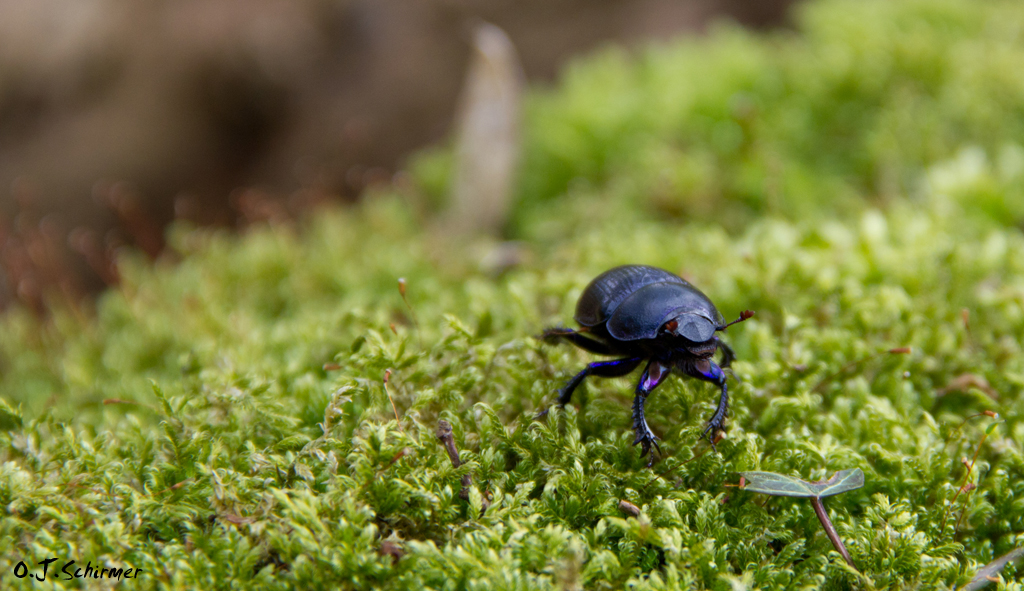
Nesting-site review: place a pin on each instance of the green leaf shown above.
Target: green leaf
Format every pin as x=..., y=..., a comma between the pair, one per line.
x=781, y=485
x=842, y=481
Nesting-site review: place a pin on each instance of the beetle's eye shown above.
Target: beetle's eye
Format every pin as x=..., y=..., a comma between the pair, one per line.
x=671, y=326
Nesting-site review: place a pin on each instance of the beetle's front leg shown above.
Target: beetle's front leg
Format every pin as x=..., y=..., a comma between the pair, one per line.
x=728, y=355
x=706, y=370
x=654, y=374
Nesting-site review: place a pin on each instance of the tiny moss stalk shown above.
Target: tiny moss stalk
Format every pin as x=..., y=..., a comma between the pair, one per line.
x=447, y=439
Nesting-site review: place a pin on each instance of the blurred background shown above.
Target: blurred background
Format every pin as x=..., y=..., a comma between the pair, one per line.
x=116, y=118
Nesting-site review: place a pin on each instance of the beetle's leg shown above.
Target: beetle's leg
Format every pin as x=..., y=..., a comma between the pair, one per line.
x=604, y=369
x=708, y=371
x=654, y=374
x=574, y=337
x=728, y=355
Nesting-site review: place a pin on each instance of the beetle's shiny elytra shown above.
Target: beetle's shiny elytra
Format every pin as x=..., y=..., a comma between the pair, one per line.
x=640, y=313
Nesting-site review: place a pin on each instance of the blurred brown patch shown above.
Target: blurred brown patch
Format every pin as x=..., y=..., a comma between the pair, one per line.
x=122, y=116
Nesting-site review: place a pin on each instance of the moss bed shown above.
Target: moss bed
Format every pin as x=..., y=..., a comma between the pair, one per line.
x=222, y=421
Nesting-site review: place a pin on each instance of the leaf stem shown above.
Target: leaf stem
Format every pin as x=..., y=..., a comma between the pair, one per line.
x=830, y=530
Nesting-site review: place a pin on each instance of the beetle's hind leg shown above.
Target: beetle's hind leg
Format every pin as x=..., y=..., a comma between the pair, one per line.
x=604, y=369
x=577, y=338
x=654, y=374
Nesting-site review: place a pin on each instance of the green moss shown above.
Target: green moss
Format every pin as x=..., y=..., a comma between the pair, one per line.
x=248, y=440
x=728, y=130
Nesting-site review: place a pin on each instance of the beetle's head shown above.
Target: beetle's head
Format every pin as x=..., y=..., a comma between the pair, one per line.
x=698, y=328
x=692, y=327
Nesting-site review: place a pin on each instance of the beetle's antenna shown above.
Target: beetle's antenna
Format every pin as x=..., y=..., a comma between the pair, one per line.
x=743, y=316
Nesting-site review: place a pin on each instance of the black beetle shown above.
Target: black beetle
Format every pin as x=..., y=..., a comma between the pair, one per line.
x=642, y=313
